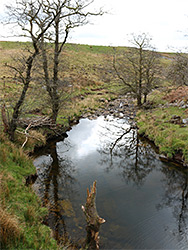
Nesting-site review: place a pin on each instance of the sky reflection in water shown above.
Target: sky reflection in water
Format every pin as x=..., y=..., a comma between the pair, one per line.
x=143, y=200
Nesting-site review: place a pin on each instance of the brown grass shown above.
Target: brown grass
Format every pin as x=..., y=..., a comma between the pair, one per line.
x=178, y=94
x=9, y=228
x=3, y=154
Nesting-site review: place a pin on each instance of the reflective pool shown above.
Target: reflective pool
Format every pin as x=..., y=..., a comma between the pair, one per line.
x=143, y=200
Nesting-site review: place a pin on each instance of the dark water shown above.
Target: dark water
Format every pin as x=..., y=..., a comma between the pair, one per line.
x=143, y=200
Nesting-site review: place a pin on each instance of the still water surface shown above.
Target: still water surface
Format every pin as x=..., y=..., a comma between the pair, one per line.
x=143, y=200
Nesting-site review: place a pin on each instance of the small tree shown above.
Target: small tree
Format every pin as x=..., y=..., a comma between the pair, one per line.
x=178, y=69
x=137, y=67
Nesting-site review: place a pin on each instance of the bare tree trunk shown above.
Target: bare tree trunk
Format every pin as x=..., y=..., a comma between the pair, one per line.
x=139, y=97
x=139, y=100
x=4, y=118
x=145, y=98
x=55, y=98
x=93, y=219
x=16, y=110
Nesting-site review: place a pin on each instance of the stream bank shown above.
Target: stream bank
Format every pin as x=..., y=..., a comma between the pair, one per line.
x=118, y=108
x=123, y=107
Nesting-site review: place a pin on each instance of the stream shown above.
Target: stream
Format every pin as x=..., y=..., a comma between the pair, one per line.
x=143, y=200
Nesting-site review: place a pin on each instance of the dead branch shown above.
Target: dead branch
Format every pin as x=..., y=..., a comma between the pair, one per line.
x=27, y=135
x=30, y=136
x=41, y=121
x=93, y=219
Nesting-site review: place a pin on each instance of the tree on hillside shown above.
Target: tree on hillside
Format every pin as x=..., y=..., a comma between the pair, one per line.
x=137, y=67
x=178, y=69
x=72, y=14
x=24, y=14
x=43, y=22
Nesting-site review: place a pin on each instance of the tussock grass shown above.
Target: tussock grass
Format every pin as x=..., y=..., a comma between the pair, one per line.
x=10, y=231
x=35, y=138
x=169, y=138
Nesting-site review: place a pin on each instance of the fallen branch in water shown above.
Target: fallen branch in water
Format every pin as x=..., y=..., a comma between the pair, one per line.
x=93, y=219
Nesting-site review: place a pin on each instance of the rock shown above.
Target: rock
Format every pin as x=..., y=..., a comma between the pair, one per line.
x=102, y=99
x=185, y=106
x=85, y=115
x=182, y=103
x=176, y=119
x=111, y=104
x=121, y=115
x=185, y=121
x=120, y=105
x=163, y=158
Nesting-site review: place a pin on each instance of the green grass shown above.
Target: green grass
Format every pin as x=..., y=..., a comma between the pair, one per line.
x=168, y=137
x=89, y=48
x=13, y=45
x=23, y=213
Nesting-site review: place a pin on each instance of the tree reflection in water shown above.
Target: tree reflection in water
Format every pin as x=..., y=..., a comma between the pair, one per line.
x=56, y=186
x=175, y=196
x=134, y=157
x=103, y=150
x=136, y=160
x=127, y=152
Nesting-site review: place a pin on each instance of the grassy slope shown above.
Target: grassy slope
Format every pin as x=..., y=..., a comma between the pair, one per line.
x=87, y=69
x=21, y=213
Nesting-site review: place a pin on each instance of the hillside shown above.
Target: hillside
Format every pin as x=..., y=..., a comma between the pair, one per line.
x=87, y=80
x=87, y=75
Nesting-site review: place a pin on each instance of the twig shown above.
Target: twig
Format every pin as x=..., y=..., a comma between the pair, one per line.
x=26, y=134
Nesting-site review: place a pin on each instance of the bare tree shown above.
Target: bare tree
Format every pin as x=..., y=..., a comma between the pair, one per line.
x=137, y=67
x=69, y=15
x=24, y=14
x=152, y=71
x=44, y=21
x=178, y=69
